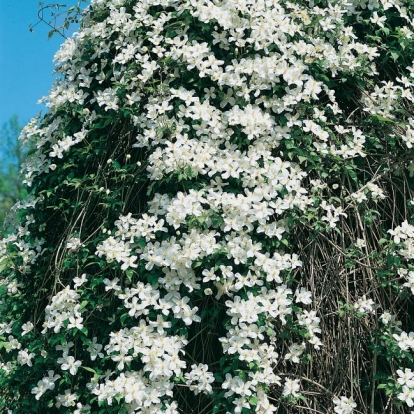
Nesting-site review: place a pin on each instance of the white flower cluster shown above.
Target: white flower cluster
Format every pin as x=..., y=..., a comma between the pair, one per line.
x=46, y=383
x=405, y=340
x=408, y=275
x=370, y=190
x=117, y=250
x=406, y=380
x=404, y=234
x=175, y=257
x=408, y=137
x=28, y=252
x=365, y=305
x=353, y=147
x=227, y=235
x=344, y=405
x=73, y=244
x=199, y=379
x=383, y=99
x=68, y=399
x=64, y=307
x=145, y=227
x=264, y=72
x=25, y=358
x=291, y=387
x=62, y=146
x=390, y=320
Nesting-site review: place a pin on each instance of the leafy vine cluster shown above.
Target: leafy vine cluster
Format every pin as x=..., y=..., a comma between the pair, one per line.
x=220, y=214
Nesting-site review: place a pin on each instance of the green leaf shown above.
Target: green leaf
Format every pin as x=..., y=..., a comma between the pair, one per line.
x=395, y=56
x=5, y=345
x=381, y=118
x=89, y=370
x=83, y=304
x=4, y=263
x=141, y=243
x=253, y=400
x=301, y=397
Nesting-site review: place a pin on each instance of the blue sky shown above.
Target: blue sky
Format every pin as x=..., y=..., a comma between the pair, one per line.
x=25, y=58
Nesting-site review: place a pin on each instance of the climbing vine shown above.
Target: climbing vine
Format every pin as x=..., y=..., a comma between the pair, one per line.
x=220, y=214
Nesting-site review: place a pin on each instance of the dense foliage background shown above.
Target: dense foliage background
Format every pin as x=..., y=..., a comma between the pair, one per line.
x=219, y=215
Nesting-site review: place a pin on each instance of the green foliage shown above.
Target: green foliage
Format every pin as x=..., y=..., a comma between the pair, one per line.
x=220, y=214
x=56, y=19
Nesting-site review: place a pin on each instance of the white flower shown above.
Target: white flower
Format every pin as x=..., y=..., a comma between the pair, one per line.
x=68, y=399
x=27, y=327
x=360, y=243
x=80, y=408
x=79, y=281
x=406, y=377
x=46, y=383
x=200, y=379
x=129, y=262
x=24, y=358
x=378, y=20
x=236, y=385
x=95, y=349
x=65, y=347
x=359, y=196
x=73, y=244
x=364, y=305
x=303, y=296
x=291, y=387
x=112, y=284
x=386, y=317
x=75, y=322
x=68, y=363
x=344, y=405
x=407, y=395
x=405, y=341
x=295, y=351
